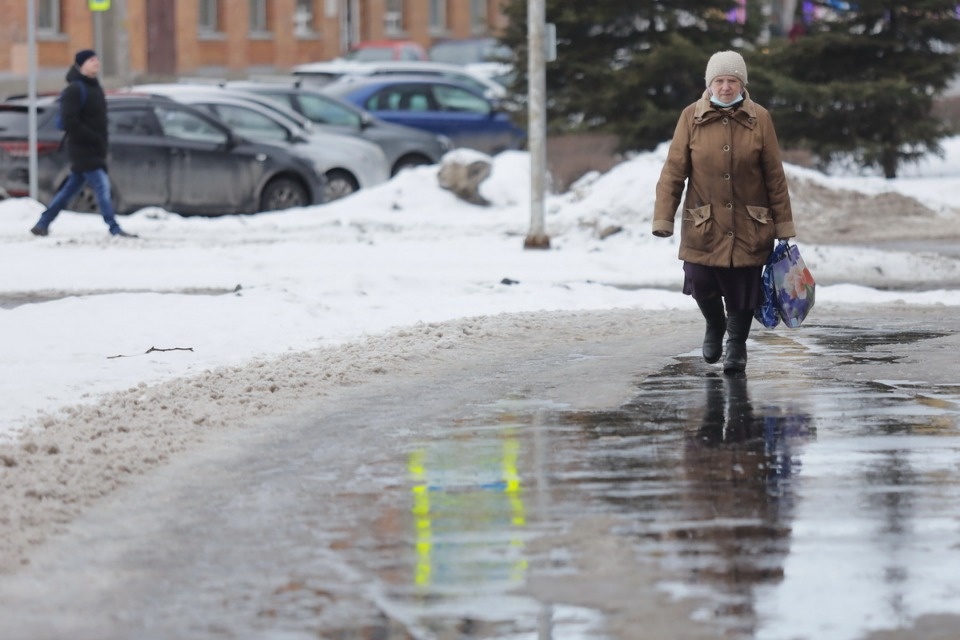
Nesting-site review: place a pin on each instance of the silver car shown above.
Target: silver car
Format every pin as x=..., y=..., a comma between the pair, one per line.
x=348, y=163
x=404, y=146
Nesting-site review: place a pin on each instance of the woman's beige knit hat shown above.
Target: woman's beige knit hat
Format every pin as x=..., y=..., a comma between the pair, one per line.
x=726, y=63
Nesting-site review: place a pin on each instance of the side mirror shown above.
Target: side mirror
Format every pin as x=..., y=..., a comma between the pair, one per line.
x=366, y=120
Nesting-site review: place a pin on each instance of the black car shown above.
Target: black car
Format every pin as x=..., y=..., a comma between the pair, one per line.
x=403, y=146
x=164, y=154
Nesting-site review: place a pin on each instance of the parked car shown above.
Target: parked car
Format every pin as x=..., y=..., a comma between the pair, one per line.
x=486, y=57
x=324, y=72
x=164, y=154
x=470, y=51
x=349, y=163
x=433, y=104
x=403, y=146
x=370, y=50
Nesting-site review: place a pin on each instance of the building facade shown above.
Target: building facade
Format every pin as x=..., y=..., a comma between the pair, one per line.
x=231, y=38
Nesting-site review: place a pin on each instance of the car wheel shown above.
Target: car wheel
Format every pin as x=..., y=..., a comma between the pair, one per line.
x=408, y=161
x=283, y=193
x=340, y=184
x=86, y=202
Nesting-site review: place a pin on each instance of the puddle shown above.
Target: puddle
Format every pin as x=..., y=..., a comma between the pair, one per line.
x=784, y=505
x=763, y=499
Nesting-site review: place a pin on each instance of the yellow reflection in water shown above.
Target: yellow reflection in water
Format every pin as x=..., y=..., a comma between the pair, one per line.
x=461, y=490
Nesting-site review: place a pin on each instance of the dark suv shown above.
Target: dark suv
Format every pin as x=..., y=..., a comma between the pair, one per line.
x=162, y=154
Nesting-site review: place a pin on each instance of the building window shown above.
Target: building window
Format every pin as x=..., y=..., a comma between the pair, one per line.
x=303, y=18
x=438, y=16
x=209, y=16
x=259, y=23
x=479, y=22
x=393, y=18
x=48, y=16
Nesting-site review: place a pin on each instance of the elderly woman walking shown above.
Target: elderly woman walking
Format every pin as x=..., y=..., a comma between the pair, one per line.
x=725, y=153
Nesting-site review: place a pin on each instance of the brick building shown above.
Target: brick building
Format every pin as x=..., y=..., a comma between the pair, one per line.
x=150, y=39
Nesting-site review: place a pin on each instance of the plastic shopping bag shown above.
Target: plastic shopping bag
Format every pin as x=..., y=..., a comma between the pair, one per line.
x=767, y=313
x=793, y=288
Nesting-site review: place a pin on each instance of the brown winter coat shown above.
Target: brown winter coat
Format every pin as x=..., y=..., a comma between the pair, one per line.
x=737, y=202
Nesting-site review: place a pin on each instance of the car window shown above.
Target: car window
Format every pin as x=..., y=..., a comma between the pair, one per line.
x=133, y=122
x=404, y=97
x=370, y=54
x=248, y=122
x=177, y=123
x=322, y=110
x=14, y=121
x=456, y=99
x=409, y=53
x=466, y=80
x=383, y=100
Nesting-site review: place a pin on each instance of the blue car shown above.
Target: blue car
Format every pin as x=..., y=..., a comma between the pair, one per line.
x=433, y=104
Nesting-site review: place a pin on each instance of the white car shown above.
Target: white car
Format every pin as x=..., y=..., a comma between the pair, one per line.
x=336, y=69
x=348, y=162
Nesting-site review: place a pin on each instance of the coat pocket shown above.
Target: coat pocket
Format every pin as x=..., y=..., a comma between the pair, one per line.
x=698, y=216
x=760, y=214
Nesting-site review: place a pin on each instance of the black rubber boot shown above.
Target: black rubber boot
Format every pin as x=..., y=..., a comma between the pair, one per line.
x=712, y=310
x=738, y=328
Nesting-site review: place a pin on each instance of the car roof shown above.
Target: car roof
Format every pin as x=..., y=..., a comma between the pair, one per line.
x=215, y=90
x=225, y=98
x=343, y=84
x=339, y=68
x=294, y=86
x=385, y=44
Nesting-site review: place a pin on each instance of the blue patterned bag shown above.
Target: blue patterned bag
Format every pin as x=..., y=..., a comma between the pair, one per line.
x=788, y=288
x=795, y=286
x=767, y=313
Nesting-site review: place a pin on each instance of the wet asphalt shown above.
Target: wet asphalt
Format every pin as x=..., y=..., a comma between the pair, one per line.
x=817, y=497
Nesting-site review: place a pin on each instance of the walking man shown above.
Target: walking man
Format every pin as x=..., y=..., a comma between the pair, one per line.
x=83, y=110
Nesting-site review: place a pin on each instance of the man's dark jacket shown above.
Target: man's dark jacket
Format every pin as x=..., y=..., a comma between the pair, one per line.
x=85, y=121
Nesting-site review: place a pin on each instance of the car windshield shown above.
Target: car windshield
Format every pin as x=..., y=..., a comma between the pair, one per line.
x=13, y=121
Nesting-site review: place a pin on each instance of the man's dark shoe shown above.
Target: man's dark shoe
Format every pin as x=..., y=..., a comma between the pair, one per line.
x=120, y=233
x=38, y=231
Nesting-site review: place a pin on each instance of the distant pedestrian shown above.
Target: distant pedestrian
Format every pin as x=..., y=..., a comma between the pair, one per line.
x=83, y=110
x=725, y=153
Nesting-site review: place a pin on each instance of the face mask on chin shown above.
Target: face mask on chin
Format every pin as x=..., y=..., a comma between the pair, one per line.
x=716, y=101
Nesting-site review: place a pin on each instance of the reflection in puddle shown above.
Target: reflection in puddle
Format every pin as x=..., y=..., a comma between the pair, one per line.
x=765, y=497
x=468, y=514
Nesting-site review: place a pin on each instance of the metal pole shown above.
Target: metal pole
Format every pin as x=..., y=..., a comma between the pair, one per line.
x=122, y=42
x=98, y=32
x=537, y=122
x=32, y=96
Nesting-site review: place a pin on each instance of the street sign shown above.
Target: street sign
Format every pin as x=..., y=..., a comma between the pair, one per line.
x=99, y=5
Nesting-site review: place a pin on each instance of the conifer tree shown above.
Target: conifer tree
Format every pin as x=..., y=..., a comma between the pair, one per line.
x=626, y=67
x=862, y=83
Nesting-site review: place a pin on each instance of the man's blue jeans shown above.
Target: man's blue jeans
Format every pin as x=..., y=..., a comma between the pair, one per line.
x=98, y=181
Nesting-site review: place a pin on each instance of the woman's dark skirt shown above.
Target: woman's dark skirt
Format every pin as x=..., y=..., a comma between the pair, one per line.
x=739, y=286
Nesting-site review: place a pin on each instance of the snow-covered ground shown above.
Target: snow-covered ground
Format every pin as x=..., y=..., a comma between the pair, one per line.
x=84, y=314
